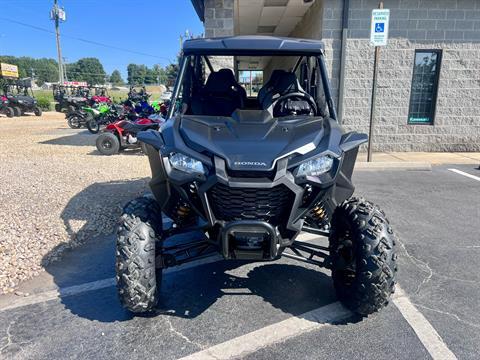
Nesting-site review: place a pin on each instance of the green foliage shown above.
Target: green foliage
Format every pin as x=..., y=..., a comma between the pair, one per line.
x=44, y=70
x=141, y=74
x=116, y=78
x=44, y=104
x=87, y=69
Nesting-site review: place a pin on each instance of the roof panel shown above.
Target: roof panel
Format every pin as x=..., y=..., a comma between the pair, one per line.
x=252, y=45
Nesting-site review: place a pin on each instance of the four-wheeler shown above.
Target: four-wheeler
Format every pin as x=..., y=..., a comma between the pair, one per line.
x=122, y=134
x=252, y=173
x=70, y=98
x=100, y=96
x=20, y=97
x=5, y=107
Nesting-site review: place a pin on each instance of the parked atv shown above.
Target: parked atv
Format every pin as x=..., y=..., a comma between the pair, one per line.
x=252, y=173
x=122, y=134
x=70, y=98
x=100, y=96
x=20, y=97
x=5, y=107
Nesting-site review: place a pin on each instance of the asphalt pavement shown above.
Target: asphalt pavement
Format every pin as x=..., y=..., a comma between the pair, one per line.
x=283, y=309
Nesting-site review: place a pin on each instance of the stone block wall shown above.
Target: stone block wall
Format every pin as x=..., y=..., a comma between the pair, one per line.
x=450, y=25
x=218, y=18
x=219, y=22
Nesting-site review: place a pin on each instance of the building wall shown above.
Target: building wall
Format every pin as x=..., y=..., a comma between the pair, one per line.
x=451, y=25
x=219, y=22
x=218, y=18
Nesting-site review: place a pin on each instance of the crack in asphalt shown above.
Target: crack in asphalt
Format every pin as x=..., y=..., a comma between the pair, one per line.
x=181, y=335
x=8, y=337
x=455, y=316
x=423, y=266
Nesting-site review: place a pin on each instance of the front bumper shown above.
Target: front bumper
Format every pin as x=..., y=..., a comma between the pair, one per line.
x=272, y=205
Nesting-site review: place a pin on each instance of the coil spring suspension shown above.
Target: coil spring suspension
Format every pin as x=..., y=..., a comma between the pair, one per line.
x=318, y=217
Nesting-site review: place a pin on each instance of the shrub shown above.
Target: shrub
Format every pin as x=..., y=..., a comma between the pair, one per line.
x=44, y=104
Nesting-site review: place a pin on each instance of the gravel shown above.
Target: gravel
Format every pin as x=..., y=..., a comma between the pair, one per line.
x=57, y=192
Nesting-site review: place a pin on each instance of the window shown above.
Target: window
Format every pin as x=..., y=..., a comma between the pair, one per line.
x=423, y=96
x=251, y=80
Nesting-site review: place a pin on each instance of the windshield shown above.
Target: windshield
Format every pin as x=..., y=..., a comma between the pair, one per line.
x=220, y=85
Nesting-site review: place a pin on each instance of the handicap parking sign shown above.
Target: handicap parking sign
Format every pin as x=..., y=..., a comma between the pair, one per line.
x=379, y=27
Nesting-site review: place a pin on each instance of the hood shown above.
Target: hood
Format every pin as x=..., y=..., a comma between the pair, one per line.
x=252, y=139
x=24, y=99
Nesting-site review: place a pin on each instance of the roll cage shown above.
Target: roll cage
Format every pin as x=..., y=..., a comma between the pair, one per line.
x=309, y=55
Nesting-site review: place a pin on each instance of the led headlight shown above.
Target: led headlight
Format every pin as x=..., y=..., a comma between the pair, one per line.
x=316, y=166
x=187, y=164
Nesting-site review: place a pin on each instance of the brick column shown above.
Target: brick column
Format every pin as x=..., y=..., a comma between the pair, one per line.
x=218, y=18
x=218, y=23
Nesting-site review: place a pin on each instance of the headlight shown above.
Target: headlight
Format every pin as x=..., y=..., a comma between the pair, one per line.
x=316, y=166
x=187, y=164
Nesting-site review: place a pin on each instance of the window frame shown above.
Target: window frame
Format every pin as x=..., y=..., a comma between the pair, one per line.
x=436, y=83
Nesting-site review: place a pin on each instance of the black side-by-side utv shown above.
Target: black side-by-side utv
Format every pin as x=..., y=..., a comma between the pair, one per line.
x=252, y=173
x=20, y=97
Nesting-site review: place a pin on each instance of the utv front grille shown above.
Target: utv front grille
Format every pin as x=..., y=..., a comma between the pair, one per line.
x=232, y=204
x=251, y=174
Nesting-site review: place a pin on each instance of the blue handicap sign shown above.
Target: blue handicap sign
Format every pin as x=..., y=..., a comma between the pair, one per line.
x=379, y=27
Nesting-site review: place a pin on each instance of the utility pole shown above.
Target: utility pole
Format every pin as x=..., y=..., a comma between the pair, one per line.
x=56, y=15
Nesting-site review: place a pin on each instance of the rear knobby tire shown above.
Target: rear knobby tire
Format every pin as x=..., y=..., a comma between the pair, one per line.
x=9, y=112
x=93, y=126
x=74, y=121
x=107, y=143
x=363, y=255
x=17, y=111
x=37, y=111
x=139, y=232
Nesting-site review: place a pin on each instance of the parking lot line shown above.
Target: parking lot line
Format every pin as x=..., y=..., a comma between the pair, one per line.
x=258, y=339
x=104, y=283
x=465, y=174
x=90, y=286
x=321, y=317
x=426, y=333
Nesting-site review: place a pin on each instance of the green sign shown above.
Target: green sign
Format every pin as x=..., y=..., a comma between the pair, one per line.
x=419, y=120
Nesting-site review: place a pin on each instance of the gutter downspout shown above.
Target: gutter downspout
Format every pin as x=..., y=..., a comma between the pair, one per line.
x=341, y=81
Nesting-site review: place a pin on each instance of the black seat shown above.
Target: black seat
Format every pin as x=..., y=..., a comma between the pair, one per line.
x=270, y=84
x=287, y=83
x=220, y=96
x=135, y=128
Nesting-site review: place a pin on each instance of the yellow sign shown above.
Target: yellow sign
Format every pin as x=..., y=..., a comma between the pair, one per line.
x=9, y=70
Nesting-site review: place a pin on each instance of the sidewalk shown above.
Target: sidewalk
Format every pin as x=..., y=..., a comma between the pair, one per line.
x=415, y=160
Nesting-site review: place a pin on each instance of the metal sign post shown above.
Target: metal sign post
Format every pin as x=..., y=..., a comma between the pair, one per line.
x=378, y=37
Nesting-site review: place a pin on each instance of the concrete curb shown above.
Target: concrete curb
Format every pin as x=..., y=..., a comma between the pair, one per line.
x=393, y=165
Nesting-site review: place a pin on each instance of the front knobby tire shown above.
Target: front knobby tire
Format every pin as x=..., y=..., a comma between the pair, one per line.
x=108, y=144
x=363, y=255
x=93, y=126
x=139, y=233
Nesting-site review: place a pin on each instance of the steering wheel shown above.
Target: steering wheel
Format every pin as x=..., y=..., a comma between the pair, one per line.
x=297, y=95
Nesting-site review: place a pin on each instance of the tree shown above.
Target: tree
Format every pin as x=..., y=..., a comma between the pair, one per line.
x=87, y=69
x=43, y=70
x=116, y=78
x=136, y=74
x=171, y=73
